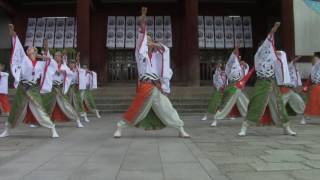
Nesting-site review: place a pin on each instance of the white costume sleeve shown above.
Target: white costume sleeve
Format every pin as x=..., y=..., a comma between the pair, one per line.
x=141, y=54
x=165, y=71
x=233, y=69
x=82, y=78
x=49, y=69
x=282, y=70
x=219, y=81
x=94, y=83
x=18, y=56
x=4, y=82
x=68, y=75
x=265, y=58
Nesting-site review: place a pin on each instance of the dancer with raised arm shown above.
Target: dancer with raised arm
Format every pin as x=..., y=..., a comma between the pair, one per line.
x=151, y=109
x=28, y=104
x=220, y=81
x=56, y=103
x=233, y=97
x=272, y=70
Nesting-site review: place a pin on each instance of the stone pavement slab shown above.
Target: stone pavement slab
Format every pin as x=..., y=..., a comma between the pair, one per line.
x=211, y=153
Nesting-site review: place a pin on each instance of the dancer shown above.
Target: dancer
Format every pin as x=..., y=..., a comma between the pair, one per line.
x=86, y=95
x=233, y=97
x=4, y=100
x=45, y=50
x=28, y=104
x=313, y=102
x=56, y=102
x=290, y=93
x=271, y=69
x=78, y=83
x=219, y=83
x=151, y=109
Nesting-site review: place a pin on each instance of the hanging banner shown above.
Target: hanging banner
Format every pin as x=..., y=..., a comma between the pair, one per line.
x=59, y=35
x=158, y=29
x=69, y=34
x=30, y=32
x=167, y=30
x=247, y=31
x=50, y=26
x=209, y=31
x=201, y=38
x=150, y=26
x=218, y=31
x=111, y=32
x=39, y=35
x=130, y=34
x=228, y=32
x=238, y=31
x=120, y=31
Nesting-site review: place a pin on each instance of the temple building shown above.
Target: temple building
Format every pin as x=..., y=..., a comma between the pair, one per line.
x=200, y=33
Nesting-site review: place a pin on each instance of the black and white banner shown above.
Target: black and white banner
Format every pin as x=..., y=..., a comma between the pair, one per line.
x=69, y=33
x=201, y=34
x=39, y=35
x=120, y=31
x=150, y=26
x=158, y=29
x=130, y=32
x=30, y=32
x=228, y=30
x=209, y=31
x=247, y=31
x=238, y=31
x=59, y=35
x=167, y=30
x=50, y=27
x=218, y=31
x=111, y=32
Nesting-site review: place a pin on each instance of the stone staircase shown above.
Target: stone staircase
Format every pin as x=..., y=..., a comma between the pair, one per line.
x=184, y=99
x=116, y=99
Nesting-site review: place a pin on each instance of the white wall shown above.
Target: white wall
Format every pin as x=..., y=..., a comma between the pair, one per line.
x=307, y=29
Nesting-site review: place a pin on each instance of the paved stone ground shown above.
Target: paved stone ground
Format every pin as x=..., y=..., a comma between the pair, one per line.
x=212, y=153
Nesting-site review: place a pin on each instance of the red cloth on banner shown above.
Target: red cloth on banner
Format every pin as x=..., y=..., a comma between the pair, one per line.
x=5, y=104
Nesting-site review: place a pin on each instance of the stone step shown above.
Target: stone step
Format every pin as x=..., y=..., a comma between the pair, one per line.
x=177, y=106
x=180, y=111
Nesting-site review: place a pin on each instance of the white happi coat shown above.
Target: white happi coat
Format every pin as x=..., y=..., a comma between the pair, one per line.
x=158, y=63
x=23, y=69
x=315, y=73
x=64, y=78
x=91, y=80
x=268, y=64
x=294, y=75
x=220, y=79
x=4, y=82
x=78, y=76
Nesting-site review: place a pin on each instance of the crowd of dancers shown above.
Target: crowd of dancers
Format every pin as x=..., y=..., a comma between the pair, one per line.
x=56, y=89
